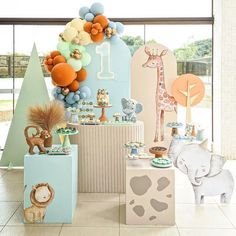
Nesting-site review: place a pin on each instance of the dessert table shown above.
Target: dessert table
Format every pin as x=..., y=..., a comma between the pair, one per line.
x=102, y=155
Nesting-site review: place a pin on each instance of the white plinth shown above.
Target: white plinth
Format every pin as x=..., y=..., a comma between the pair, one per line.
x=150, y=194
x=102, y=156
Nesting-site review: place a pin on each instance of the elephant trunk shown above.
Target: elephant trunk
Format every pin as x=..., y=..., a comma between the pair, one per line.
x=192, y=177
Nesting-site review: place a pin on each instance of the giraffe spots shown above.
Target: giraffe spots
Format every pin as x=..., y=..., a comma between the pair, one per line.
x=165, y=95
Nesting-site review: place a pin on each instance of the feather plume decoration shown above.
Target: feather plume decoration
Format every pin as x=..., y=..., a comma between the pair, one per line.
x=48, y=115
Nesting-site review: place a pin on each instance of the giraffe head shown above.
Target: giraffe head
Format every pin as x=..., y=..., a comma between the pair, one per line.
x=154, y=59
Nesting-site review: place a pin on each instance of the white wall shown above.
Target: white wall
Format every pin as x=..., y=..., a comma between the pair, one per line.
x=225, y=78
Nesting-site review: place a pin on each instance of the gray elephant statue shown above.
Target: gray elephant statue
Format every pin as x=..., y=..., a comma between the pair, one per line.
x=131, y=108
x=204, y=170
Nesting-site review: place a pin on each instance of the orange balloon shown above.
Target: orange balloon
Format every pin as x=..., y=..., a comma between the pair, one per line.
x=81, y=75
x=49, y=67
x=48, y=56
x=58, y=59
x=102, y=20
x=74, y=86
x=97, y=38
x=49, y=61
x=88, y=27
x=63, y=74
x=54, y=54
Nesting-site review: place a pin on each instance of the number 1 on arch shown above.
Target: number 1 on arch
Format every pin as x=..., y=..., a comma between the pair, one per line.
x=104, y=51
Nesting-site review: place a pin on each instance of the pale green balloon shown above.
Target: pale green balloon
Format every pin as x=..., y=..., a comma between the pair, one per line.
x=76, y=64
x=63, y=46
x=73, y=46
x=65, y=53
x=86, y=59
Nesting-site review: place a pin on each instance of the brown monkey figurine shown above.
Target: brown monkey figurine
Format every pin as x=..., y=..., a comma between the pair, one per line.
x=36, y=139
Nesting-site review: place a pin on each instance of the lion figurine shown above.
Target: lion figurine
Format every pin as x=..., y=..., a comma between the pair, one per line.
x=36, y=139
x=41, y=196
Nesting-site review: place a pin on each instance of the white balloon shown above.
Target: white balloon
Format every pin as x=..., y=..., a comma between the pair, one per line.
x=78, y=24
x=69, y=33
x=84, y=38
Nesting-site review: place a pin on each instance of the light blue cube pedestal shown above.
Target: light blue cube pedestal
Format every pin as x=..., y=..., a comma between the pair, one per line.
x=61, y=173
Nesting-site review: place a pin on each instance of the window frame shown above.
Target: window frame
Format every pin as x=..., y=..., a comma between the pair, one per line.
x=126, y=21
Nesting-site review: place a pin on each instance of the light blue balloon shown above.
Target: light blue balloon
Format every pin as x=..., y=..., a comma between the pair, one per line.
x=83, y=11
x=67, y=105
x=119, y=27
x=86, y=59
x=75, y=105
x=54, y=93
x=77, y=92
x=70, y=98
x=76, y=97
x=76, y=64
x=73, y=46
x=85, y=92
x=89, y=17
x=97, y=8
x=58, y=89
x=112, y=24
x=60, y=97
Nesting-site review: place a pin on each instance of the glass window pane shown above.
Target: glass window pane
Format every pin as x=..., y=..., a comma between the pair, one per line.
x=192, y=46
x=6, y=82
x=45, y=38
x=133, y=37
x=121, y=8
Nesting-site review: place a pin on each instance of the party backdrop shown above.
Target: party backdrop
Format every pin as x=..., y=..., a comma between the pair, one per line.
x=154, y=65
x=111, y=71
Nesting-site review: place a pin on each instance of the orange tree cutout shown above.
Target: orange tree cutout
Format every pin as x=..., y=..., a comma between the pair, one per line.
x=188, y=90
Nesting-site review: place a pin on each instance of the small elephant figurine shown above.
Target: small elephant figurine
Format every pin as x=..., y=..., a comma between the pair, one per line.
x=131, y=108
x=204, y=170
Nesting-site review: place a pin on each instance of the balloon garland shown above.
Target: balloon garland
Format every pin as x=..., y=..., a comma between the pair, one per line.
x=67, y=64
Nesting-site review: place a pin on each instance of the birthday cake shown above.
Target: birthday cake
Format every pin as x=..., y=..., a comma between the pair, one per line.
x=102, y=97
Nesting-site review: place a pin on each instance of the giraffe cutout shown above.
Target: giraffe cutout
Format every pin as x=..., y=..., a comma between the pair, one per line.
x=164, y=102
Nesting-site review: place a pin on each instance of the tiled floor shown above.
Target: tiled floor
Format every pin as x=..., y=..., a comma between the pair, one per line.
x=104, y=214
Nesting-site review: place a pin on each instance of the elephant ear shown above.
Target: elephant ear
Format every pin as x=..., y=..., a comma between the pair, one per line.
x=138, y=108
x=217, y=163
x=124, y=102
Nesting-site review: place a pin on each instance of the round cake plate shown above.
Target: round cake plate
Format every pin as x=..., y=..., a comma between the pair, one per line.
x=161, y=162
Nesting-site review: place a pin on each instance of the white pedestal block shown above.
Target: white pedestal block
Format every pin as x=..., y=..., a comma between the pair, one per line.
x=150, y=194
x=102, y=155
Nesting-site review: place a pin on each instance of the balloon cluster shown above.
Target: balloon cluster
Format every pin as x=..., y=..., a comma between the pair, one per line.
x=67, y=63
